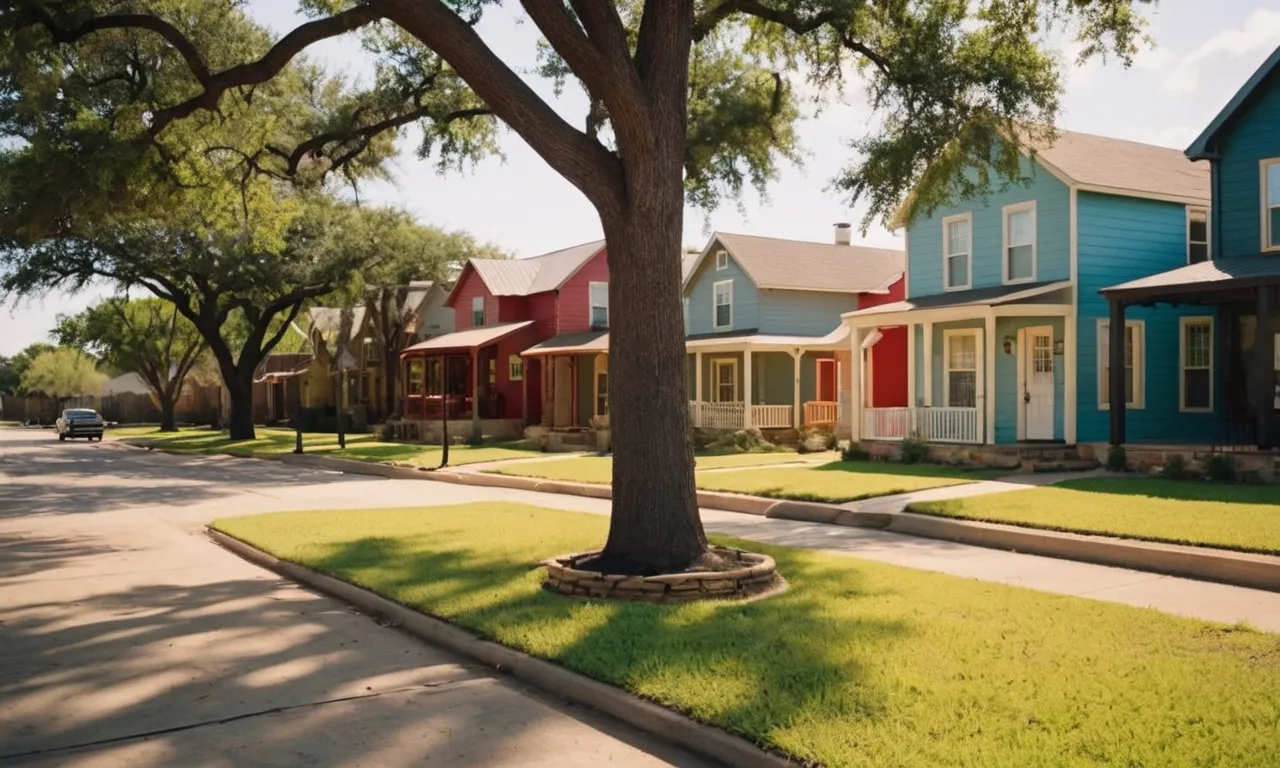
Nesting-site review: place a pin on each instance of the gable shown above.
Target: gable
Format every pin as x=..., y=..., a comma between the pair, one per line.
x=1208, y=143
x=700, y=293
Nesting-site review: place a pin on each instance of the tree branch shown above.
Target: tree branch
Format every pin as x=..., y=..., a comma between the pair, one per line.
x=143, y=21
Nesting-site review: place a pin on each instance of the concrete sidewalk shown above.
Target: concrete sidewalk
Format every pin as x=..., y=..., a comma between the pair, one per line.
x=898, y=502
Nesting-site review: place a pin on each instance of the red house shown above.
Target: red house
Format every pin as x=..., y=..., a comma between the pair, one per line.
x=477, y=376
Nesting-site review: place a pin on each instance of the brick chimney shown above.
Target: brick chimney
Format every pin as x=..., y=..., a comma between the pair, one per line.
x=844, y=233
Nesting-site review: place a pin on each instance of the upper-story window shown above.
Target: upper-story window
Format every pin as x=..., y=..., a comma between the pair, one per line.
x=957, y=251
x=722, y=260
x=477, y=311
x=1271, y=205
x=723, y=317
x=1020, y=243
x=1197, y=235
x=599, y=305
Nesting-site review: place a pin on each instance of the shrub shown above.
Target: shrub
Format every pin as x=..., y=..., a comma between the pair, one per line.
x=855, y=452
x=914, y=449
x=743, y=441
x=802, y=448
x=833, y=442
x=1117, y=459
x=1175, y=468
x=1220, y=468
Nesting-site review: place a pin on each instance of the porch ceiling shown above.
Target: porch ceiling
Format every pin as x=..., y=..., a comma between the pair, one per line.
x=1207, y=277
x=957, y=302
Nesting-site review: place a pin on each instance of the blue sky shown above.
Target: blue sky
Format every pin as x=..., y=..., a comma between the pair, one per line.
x=526, y=208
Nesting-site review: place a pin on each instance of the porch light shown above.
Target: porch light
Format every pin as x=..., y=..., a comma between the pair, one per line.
x=1009, y=345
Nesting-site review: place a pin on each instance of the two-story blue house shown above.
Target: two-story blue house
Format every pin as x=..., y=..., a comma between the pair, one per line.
x=766, y=344
x=1226, y=369
x=1008, y=334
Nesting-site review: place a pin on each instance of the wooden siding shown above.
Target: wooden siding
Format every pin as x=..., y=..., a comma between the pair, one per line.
x=436, y=319
x=802, y=313
x=573, y=308
x=701, y=293
x=469, y=286
x=889, y=355
x=1120, y=239
x=1254, y=135
x=1053, y=248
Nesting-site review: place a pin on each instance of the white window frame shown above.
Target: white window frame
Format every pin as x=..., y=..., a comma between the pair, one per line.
x=1263, y=167
x=1183, y=324
x=716, y=364
x=477, y=305
x=1139, y=364
x=722, y=260
x=946, y=257
x=1004, y=249
x=1192, y=212
x=600, y=366
x=715, y=295
x=979, y=393
x=592, y=287
x=515, y=368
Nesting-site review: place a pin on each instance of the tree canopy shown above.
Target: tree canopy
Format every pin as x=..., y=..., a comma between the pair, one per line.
x=63, y=373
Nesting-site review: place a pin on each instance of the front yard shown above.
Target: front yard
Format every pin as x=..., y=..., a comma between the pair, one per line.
x=273, y=442
x=599, y=469
x=858, y=664
x=1241, y=517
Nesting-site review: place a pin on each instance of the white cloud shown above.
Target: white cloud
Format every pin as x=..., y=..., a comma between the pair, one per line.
x=1261, y=31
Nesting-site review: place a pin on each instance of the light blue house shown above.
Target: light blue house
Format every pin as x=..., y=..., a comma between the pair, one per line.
x=1228, y=368
x=1007, y=331
x=766, y=344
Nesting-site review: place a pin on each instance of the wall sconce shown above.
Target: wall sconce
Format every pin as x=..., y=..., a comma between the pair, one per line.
x=1008, y=345
x=1057, y=347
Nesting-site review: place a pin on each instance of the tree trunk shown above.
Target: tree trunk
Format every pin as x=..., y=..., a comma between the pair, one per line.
x=167, y=421
x=240, y=424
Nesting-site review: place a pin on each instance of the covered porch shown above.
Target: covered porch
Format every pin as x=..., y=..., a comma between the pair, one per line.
x=572, y=376
x=1227, y=370
x=985, y=366
x=768, y=382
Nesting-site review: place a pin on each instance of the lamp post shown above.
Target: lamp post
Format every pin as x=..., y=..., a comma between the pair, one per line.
x=444, y=411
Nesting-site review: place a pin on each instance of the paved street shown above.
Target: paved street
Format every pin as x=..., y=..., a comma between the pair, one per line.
x=124, y=632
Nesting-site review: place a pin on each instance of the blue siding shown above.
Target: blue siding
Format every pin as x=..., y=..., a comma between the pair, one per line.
x=1122, y=239
x=803, y=313
x=1253, y=136
x=1053, y=237
x=701, y=293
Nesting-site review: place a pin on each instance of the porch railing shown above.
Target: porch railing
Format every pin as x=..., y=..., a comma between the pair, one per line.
x=821, y=413
x=940, y=425
x=717, y=415
x=771, y=416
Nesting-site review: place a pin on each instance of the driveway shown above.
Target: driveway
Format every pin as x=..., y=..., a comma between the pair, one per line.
x=128, y=639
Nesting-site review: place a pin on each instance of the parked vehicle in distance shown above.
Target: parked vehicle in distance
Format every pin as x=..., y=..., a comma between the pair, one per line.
x=80, y=422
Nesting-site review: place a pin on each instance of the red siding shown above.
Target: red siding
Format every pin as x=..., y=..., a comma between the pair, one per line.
x=542, y=310
x=574, y=313
x=469, y=286
x=889, y=355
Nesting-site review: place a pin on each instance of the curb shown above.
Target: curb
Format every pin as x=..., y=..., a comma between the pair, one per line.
x=658, y=721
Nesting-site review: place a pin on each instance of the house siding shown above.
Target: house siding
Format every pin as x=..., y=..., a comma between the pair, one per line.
x=1254, y=135
x=436, y=319
x=701, y=293
x=1122, y=239
x=889, y=355
x=469, y=286
x=573, y=308
x=801, y=313
x=1053, y=247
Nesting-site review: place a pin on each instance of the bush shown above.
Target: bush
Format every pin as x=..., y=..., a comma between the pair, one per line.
x=1117, y=459
x=743, y=441
x=801, y=448
x=1220, y=468
x=855, y=452
x=914, y=449
x=1175, y=468
x=833, y=442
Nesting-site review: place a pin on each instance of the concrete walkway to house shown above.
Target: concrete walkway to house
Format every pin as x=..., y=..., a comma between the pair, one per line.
x=898, y=502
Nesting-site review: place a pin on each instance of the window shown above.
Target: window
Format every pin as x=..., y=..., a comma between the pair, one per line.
x=372, y=351
x=957, y=247
x=477, y=311
x=1196, y=386
x=415, y=377
x=961, y=384
x=602, y=385
x=1197, y=235
x=515, y=368
x=722, y=260
x=1020, y=243
x=723, y=305
x=724, y=381
x=599, y=305
x=1133, y=364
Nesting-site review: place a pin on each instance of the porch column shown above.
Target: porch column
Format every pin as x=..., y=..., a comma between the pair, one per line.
x=573, y=391
x=524, y=390
x=1069, y=366
x=855, y=385
x=544, y=379
x=1115, y=340
x=928, y=365
x=989, y=378
x=697, y=388
x=1264, y=384
x=746, y=383
x=475, y=394
x=795, y=397
x=911, y=366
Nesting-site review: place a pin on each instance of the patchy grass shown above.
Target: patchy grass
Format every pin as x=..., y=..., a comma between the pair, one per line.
x=599, y=469
x=272, y=442
x=840, y=481
x=4, y=423
x=1240, y=517
x=858, y=664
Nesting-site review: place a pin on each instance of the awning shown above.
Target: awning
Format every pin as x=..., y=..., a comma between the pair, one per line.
x=898, y=312
x=589, y=342
x=1205, y=277
x=466, y=340
x=836, y=339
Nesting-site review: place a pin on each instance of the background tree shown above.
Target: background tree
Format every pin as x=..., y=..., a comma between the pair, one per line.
x=18, y=365
x=148, y=337
x=63, y=373
x=956, y=85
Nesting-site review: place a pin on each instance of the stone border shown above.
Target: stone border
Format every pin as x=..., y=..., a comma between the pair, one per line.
x=651, y=718
x=757, y=578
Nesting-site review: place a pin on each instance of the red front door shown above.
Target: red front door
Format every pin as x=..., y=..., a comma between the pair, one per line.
x=827, y=380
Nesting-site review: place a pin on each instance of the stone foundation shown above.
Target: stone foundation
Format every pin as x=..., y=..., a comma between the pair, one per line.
x=757, y=576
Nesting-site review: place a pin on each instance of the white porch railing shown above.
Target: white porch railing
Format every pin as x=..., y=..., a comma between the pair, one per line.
x=821, y=413
x=939, y=425
x=771, y=416
x=717, y=415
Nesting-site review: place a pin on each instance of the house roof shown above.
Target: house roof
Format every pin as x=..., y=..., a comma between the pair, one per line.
x=281, y=365
x=799, y=265
x=536, y=274
x=978, y=297
x=572, y=343
x=126, y=383
x=1118, y=166
x=468, y=339
x=836, y=338
x=1202, y=148
x=1215, y=275
x=327, y=320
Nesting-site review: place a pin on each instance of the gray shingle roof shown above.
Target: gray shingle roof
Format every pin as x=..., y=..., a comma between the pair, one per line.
x=1261, y=267
x=799, y=265
x=524, y=277
x=327, y=321
x=1120, y=165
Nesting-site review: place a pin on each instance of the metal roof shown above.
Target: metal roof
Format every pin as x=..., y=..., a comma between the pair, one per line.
x=468, y=339
x=537, y=274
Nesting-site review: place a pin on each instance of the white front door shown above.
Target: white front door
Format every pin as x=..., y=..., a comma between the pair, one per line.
x=1036, y=355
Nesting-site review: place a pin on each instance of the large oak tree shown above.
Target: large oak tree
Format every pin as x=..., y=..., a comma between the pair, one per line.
x=674, y=111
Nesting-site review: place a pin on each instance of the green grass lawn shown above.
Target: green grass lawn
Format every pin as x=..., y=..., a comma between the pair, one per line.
x=858, y=664
x=272, y=442
x=839, y=481
x=599, y=469
x=1243, y=517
